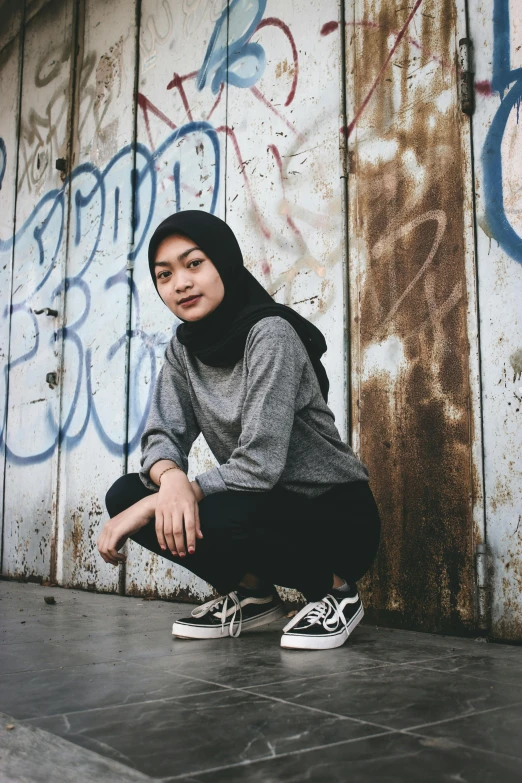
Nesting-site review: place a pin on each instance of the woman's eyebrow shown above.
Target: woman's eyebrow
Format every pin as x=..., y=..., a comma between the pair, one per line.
x=181, y=257
x=185, y=253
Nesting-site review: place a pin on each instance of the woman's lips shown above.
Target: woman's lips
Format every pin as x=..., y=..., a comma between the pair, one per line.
x=191, y=301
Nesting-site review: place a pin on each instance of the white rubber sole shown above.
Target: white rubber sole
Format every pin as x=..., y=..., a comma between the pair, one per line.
x=327, y=642
x=182, y=631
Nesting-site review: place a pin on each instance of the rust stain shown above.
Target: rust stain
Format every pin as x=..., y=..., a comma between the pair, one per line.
x=414, y=392
x=77, y=538
x=284, y=67
x=110, y=66
x=177, y=593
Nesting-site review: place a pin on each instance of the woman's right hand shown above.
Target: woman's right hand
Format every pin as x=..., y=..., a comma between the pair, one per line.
x=117, y=530
x=177, y=514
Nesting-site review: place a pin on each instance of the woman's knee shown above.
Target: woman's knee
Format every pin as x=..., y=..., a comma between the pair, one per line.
x=125, y=491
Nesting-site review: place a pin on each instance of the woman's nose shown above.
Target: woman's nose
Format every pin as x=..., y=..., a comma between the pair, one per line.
x=182, y=285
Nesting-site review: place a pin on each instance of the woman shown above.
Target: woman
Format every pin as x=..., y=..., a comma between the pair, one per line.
x=289, y=503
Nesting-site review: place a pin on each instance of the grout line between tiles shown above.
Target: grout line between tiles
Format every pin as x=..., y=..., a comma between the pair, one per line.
x=459, y=744
x=297, y=752
x=377, y=665
x=473, y=676
x=460, y=717
x=291, y=703
x=164, y=699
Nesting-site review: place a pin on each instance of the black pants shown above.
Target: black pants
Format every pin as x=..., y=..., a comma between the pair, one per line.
x=282, y=537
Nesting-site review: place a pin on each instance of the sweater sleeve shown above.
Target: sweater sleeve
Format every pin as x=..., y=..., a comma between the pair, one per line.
x=171, y=426
x=275, y=360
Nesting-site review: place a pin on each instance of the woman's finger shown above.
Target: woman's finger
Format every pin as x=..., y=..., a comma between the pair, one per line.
x=199, y=533
x=177, y=530
x=169, y=536
x=160, y=531
x=101, y=539
x=190, y=532
x=117, y=556
x=102, y=545
x=112, y=548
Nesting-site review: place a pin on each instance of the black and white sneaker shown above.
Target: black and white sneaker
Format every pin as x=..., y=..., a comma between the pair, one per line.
x=322, y=625
x=228, y=615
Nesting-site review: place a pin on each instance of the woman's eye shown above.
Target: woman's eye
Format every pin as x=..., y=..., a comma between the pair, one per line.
x=196, y=261
x=161, y=274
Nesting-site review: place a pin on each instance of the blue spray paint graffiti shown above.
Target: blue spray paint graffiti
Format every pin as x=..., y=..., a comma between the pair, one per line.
x=236, y=61
x=508, y=83
x=95, y=228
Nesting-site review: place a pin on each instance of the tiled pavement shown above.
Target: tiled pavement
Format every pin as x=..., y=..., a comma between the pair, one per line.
x=96, y=689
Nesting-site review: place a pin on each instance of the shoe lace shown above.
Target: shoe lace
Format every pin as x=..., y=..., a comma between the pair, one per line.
x=317, y=611
x=219, y=608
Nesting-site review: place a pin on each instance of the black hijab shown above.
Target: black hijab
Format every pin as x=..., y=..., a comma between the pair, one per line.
x=219, y=338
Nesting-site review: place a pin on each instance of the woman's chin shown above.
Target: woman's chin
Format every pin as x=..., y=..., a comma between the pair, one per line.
x=195, y=314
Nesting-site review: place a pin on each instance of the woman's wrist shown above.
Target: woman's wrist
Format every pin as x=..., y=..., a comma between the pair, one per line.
x=198, y=492
x=173, y=477
x=163, y=466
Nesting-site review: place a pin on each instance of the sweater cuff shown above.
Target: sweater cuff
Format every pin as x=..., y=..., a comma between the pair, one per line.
x=211, y=481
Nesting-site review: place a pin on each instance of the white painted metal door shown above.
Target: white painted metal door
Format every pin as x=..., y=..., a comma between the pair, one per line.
x=94, y=385
x=496, y=32
x=10, y=53
x=33, y=418
x=180, y=164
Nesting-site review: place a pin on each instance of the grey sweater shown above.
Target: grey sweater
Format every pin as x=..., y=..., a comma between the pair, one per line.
x=264, y=418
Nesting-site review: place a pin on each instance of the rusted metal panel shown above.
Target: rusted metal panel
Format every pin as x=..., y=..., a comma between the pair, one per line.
x=93, y=395
x=180, y=160
x=411, y=366
x=33, y=409
x=10, y=54
x=496, y=31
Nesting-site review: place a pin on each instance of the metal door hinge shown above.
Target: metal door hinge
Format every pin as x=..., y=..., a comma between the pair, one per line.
x=466, y=74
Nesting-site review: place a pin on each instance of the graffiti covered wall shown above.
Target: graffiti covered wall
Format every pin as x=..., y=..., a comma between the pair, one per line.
x=331, y=138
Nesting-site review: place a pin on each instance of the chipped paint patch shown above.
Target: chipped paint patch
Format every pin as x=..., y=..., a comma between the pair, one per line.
x=387, y=357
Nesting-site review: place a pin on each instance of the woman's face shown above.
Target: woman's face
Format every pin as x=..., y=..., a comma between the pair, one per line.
x=183, y=271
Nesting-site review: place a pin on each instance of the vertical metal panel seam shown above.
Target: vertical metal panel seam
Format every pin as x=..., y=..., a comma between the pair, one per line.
x=122, y=576
x=481, y=620
x=347, y=364
x=225, y=168
x=74, y=104
x=18, y=131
